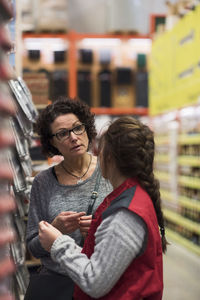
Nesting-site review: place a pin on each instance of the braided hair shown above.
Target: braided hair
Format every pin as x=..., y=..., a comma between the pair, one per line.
x=131, y=144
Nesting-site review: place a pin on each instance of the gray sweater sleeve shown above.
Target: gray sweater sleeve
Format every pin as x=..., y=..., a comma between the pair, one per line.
x=32, y=228
x=118, y=240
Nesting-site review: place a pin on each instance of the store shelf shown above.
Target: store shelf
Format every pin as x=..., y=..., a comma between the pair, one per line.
x=187, y=160
x=139, y=111
x=179, y=220
x=189, y=181
x=189, y=139
x=189, y=203
x=162, y=158
x=79, y=36
x=73, y=38
x=182, y=241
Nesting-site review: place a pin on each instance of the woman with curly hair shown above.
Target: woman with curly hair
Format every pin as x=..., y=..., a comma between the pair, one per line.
x=122, y=254
x=64, y=195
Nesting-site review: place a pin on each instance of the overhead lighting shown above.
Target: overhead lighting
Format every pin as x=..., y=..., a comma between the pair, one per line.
x=40, y=43
x=140, y=43
x=100, y=42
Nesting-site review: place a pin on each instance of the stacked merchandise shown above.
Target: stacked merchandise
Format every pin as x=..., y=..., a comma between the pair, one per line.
x=105, y=78
x=51, y=15
x=189, y=177
x=177, y=164
x=44, y=15
x=123, y=94
x=141, y=81
x=38, y=84
x=166, y=130
x=27, y=15
x=84, y=76
x=17, y=115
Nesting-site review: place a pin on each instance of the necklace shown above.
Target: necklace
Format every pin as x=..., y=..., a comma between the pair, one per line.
x=78, y=177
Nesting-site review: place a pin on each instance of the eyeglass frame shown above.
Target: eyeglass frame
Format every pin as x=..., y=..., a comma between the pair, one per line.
x=69, y=132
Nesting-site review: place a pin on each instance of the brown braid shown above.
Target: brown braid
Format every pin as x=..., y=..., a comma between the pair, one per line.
x=131, y=144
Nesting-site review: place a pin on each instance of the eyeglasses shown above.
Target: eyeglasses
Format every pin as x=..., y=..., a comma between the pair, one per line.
x=65, y=133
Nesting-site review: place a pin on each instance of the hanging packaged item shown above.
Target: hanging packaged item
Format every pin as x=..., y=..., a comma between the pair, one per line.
x=20, y=281
x=24, y=98
x=48, y=10
x=19, y=227
x=18, y=174
x=22, y=148
x=25, y=125
x=38, y=83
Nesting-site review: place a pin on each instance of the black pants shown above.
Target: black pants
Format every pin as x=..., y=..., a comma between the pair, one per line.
x=51, y=286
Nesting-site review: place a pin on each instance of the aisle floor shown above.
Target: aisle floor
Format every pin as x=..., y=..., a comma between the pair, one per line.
x=181, y=274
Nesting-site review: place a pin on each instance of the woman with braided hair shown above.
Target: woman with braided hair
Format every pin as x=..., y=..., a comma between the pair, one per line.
x=122, y=255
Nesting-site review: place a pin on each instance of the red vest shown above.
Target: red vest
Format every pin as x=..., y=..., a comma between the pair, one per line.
x=143, y=279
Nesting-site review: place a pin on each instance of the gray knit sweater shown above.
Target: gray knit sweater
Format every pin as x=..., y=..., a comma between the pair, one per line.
x=49, y=198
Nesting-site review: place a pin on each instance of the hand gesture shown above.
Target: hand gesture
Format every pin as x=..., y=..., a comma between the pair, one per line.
x=47, y=235
x=67, y=221
x=84, y=224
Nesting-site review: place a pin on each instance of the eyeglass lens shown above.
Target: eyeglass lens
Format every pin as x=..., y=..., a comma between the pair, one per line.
x=65, y=133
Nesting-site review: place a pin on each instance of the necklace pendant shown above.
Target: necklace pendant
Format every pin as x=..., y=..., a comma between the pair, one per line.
x=79, y=181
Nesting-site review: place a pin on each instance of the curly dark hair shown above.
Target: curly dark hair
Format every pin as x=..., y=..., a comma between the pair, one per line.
x=60, y=107
x=131, y=144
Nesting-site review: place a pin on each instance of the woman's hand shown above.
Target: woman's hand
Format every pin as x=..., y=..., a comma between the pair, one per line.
x=47, y=235
x=67, y=221
x=84, y=224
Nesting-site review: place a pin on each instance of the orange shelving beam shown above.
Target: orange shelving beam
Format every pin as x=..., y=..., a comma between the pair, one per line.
x=142, y=111
x=72, y=65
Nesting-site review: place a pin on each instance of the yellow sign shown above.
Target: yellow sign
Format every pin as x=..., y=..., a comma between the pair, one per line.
x=174, y=77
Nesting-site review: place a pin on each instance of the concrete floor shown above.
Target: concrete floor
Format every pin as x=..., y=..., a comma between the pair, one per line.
x=181, y=274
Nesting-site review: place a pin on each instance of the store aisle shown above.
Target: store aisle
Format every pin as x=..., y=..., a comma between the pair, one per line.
x=181, y=274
